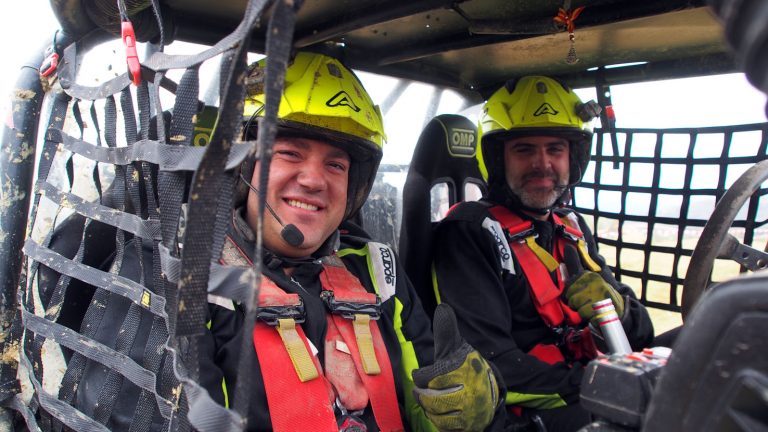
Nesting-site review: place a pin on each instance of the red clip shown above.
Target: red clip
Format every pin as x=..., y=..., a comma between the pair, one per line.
x=49, y=65
x=609, y=113
x=131, y=56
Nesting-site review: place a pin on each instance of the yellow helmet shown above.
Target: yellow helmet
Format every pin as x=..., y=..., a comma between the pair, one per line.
x=325, y=100
x=534, y=105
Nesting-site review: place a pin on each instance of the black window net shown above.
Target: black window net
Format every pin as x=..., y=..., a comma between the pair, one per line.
x=130, y=205
x=649, y=203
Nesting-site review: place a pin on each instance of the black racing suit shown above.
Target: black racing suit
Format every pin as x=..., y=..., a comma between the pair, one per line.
x=404, y=326
x=496, y=313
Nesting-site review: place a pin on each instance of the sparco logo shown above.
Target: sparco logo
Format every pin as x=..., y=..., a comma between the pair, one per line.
x=500, y=244
x=386, y=261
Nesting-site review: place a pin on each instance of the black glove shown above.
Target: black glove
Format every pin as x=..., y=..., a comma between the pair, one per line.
x=586, y=287
x=459, y=391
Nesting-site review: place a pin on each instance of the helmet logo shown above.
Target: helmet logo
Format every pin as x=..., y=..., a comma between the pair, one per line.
x=545, y=108
x=342, y=99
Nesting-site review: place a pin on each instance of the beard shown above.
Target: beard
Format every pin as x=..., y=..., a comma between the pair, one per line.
x=539, y=197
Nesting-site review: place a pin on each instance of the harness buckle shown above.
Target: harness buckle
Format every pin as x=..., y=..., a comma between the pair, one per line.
x=567, y=234
x=560, y=334
x=348, y=309
x=271, y=314
x=521, y=236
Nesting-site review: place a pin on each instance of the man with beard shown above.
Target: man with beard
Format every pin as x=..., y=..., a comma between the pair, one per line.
x=520, y=268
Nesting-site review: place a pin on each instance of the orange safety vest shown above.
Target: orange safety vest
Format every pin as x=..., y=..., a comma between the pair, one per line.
x=538, y=266
x=300, y=393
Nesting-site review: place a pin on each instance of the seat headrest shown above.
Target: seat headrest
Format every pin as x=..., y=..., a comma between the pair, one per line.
x=446, y=150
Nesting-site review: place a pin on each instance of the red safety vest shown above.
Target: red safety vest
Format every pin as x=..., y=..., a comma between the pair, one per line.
x=538, y=266
x=300, y=393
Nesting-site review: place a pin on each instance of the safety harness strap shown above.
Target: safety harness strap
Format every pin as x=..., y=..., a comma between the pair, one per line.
x=366, y=345
x=285, y=381
x=577, y=237
x=537, y=264
x=293, y=371
x=275, y=300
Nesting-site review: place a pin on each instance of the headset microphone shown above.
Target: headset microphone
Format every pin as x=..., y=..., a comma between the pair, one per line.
x=290, y=233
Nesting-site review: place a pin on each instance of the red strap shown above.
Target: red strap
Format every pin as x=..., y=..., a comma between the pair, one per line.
x=381, y=387
x=293, y=405
x=341, y=372
x=282, y=384
x=547, y=353
x=568, y=228
x=546, y=294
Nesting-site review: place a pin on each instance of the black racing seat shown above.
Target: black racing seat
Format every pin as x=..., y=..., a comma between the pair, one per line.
x=443, y=172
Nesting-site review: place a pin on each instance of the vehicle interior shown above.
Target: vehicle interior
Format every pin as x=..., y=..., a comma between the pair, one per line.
x=98, y=149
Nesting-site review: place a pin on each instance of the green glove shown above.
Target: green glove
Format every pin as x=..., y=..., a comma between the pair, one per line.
x=459, y=391
x=586, y=287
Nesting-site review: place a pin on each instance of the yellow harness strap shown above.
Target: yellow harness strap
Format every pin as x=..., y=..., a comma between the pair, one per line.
x=549, y=262
x=361, y=326
x=297, y=351
x=588, y=261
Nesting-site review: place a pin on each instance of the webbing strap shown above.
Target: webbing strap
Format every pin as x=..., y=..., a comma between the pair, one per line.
x=166, y=157
x=278, y=48
x=296, y=347
x=171, y=186
x=339, y=281
x=149, y=229
x=110, y=388
x=576, y=235
x=546, y=294
x=361, y=325
x=297, y=350
x=549, y=262
x=294, y=404
x=380, y=386
x=341, y=372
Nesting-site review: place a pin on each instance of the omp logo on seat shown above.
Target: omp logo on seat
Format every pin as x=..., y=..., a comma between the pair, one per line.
x=342, y=99
x=462, y=142
x=545, y=108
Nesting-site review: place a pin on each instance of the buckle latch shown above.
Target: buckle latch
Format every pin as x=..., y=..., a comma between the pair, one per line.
x=521, y=236
x=271, y=314
x=348, y=309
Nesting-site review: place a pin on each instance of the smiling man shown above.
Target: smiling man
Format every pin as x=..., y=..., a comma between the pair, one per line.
x=308, y=187
x=341, y=340
x=501, y=262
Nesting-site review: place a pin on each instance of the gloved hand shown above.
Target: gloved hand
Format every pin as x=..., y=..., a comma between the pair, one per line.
x=459, y=391
x=586, y=287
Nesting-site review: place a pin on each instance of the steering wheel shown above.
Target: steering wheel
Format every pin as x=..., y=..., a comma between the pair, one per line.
x=715, y=242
